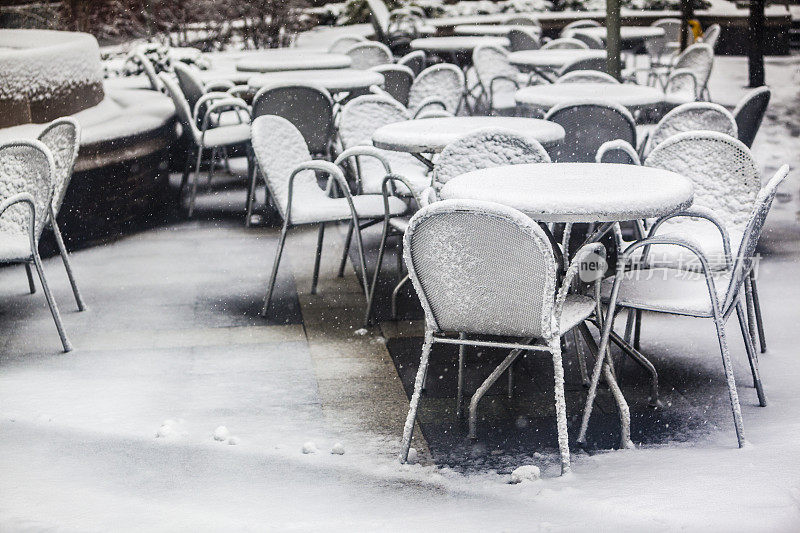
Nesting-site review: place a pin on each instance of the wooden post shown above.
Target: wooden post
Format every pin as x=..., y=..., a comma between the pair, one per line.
x=613, y=41
x=755, y=53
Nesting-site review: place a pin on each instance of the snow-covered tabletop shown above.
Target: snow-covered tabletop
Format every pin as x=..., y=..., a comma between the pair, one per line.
x=490, y=29
x=334, y=80
x=431, y=135
x=627, y=33
x=633, y=97
x=456, y=44
x=443, y=22
x=576, y=192
x=530, y=59
x=292, y=59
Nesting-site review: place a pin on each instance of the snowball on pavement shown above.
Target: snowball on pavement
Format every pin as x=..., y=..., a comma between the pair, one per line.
x=361, y=332
x=337, y=449
x=221, y=434
x=233, y=441
x=168, y=430
x=525, y=473
x=309, y=447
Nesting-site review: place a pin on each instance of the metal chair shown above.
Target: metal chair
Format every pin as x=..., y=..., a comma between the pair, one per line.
x=582, y=23
x=27, y=169
x=149, y=71
x=586, y=76
x=498, y=80
x=565, y=43
x=680, y=88
x=284, y=160
x=63, y=138
x=472, y=284
x=589, y=124
x=523, y=38
x=697, y=59
x=396, y=28
x=200, y=94
x=596, y=64
x=368, y=54
x=690, y=117
x=711, y=35
x=593, y=43
x=522, y=19
x=414, y=60
x=343, y=43
x=617, y=151
x=397, y=80
x=657, y=47
x=439, y=85
x=749, y=113
x=705, y=295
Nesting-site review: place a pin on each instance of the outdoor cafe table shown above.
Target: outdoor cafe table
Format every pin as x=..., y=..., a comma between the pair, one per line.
x=633, y=97
x=431, y=135
x=291, y=59
x=456, y=44
x=555, y=59
x=498, y=30
x=334, y=80
x=628, y=34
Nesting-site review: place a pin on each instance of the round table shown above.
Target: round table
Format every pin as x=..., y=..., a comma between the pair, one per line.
x=628, y=34
x=334, y=80
x=498, y=30
x=456, y=44
x=533, y=59
x=291, y=59
x=633, y=97
x=449, y=22
x=431, y=135
x=576, y=192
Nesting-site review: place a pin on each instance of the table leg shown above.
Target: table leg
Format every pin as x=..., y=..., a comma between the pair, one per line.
x=425, y=161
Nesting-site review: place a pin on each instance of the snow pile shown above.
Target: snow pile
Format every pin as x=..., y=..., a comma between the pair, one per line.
x=525, y=473
x=221, y=434
x=338, y=449
x=309, y=448
x=170, y=430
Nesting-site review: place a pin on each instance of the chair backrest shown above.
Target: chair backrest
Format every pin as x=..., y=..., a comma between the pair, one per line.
x=444, y=81
x=343, y=43
x=583, y=23
x=149, y=70
x=617, y=151
x=588, y=124
x=486, y=148
x=699, y=59
x=361, y=116
x=749, y=113
x=26, y=166
x=683, y=82
x=523, y=39
x=565, y=43
x=191, y=85
x=379, y=16
x=63, y=138
x=745, y=259
x=711, y=35
x=656, y=46
x=309, y=107
x=369, y=54
x=597, y=64
x=591, y=41
x=586, y=76
x=279, y=147
x=491, y=61
x=522, y=19
x=690, y=117
x=397, y=80
x=469, y=280
x=182, y=109
x=725, y=175
x=414, y=60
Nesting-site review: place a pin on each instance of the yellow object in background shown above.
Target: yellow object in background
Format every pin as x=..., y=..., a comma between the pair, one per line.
x=697, y=30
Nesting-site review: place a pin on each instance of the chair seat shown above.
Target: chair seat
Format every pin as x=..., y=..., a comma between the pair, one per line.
x=675, y=99
x=399, y=223
x=667, y=290
x=227, y=135
x=703, y=233
x=373, y=173
x=576, y=309
x=14, y=247
x=324, y=209
x=504, y=101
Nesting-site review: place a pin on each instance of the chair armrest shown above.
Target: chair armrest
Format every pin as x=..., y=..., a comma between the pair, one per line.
x=219, y=85
x=206, y=98
x=320, y=166
x=223, y=104
x=682, y=73
x=356, y=151
x=238, y=90
x=617, y=145
x=428, y=102
x=27, y=199
x=595, y=248
x=696, y=212
x=434, y=113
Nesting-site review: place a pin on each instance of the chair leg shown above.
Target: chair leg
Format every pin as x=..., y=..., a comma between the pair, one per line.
x=347, y=241
x=752, y=355
x=251, y=195
x=408, y=429
x=637, y=330
x=581, y=359
x=187, y=169
x=630, y=319
x=488, y=382
x=749, y=308
x=273, y=276
x=733, y=394
x=67, y=266
x=460, y=393
x=395, y=292
x=29, y=273
x=510, y=384
x=210, y=175
x=363, y=259
x=195, y=179
x=51, y=303
x=757, y=308
x=317, y=258
x=561, y=404
x=381, y=251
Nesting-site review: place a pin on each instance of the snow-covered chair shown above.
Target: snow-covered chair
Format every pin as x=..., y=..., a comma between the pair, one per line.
x=397, y=81
x=472, y=284
x=749, y=113
x=149, y=71
x=414, y=60
x=680, y=88
x=200, y=94
x=711, y=35
x=498, y=79
x=592, y=42
x=27, y=169
x=343, y=43
x=617, y=151
x=290, y=174
x=63, y=138
x=658, y=47
x=522, y=19
x=582, y=23
x=523, y=38
x=206, y=136
x=439, y=85
x=565, y=43
x=690, y=117
x=396, y=28
x=368, y=54
x=697, y=60
x=586, y=76
x=597, y=64
x=588, y=125
x=704, y=295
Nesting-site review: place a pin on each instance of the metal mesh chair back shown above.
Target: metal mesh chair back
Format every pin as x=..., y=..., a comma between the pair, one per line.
x=656, y=46
x=149, y=70
x=750, y=112
x=711, y=35
x=591, y=41
x=617, y=151
x=343, y=43
x=308, y=107
x=523, y=39
x=182, y=108
x=63, y=138
x=486, y=148
x=193, y=89
x=725, y=175
x=699, y=59
x=583, y=23
x=443, y=81
x=588, y=125
x=744, y=261
x=25, y=167
x=690, y=117
x=490, y=62
x=369, y=54
x=565, y=43
x=481, y=268
x=379, y=16
x=597, y=64
x=363, y=115
x=586, y=76
x=397, y=80
x=414, y=60
x=522, y=20
x=683, y=83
